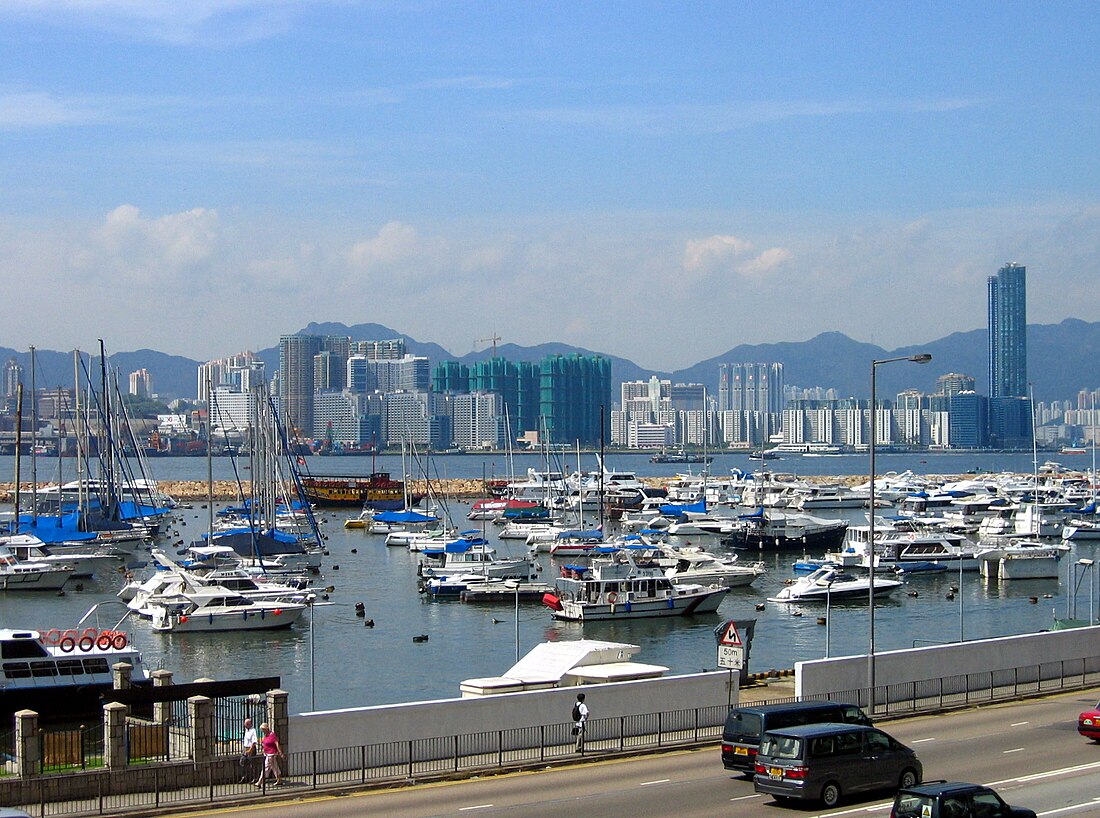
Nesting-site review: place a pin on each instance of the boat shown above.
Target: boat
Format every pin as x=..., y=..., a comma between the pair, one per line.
x=470, y=555
x=62, y=673
x=830, y=582
x=1021, y=559
x=624, y=588
x=378, y=492
x=16, y=575
x=214, y=608
x=680, y=457
x=83, y=562
x=777, y=531
x=696, y=565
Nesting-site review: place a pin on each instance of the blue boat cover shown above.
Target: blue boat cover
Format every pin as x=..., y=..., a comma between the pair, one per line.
x=404, y=517
x=676, y=509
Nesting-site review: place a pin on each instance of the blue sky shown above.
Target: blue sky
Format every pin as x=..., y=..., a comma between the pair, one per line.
x=654, y=180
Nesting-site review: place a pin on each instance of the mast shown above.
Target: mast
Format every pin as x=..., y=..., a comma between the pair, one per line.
x=18, y=446
x=34, y=445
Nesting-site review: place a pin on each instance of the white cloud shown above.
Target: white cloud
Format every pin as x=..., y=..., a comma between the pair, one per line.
x=156, y=250
x=395, y=242
x=704, y=254
x=766, y=262
x=37, y=110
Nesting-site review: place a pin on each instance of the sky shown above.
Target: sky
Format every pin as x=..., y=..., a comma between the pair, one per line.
x=657, y=181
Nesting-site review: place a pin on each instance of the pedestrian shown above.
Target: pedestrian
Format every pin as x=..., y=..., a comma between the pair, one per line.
x=580, y=720
x=250, y=752
x=273, y=751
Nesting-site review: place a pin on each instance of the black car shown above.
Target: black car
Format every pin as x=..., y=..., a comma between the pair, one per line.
x=953, y=799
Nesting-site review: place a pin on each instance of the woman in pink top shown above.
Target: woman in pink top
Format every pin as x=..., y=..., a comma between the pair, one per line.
x=273, y=751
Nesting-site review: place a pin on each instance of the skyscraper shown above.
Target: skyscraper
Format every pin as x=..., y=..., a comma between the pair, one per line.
x=1007, y=295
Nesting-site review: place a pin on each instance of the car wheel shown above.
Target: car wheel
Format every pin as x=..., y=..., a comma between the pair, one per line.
x=830, y=794
x=908, y=779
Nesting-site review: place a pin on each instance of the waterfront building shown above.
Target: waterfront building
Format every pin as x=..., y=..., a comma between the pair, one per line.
x=244, y=371
x=449, y=377
x=13, y=376
x=392, y=349
x=968, y=421
x=1007, y=306
x=688, y=397
x=477, y=420
x=141, y=384
x=1010, y=422
x=411, y=372
x=231, y=409
x=297, y=354
x=575, y=396
x=411, y=417
x=650, y=436
x=751, y=386
x=347, y=417
x=329, y=371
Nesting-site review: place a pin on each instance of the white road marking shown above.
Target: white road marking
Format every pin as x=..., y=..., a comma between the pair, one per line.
x=745, y=797
x=1017, y=750
x=1019, y=723
x=479, y=806
x=922, y=740
x=1049, y=774
x=658, y=781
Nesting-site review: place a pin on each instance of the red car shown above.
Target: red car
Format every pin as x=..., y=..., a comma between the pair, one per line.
x=1088, y=723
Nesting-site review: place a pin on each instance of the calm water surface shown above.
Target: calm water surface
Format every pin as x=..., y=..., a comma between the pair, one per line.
x=341, y=663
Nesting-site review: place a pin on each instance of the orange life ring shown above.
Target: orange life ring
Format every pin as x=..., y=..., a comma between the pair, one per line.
x=86, y=643
x=92, y=632
x=74, y=635
x=119, y=642
x=67, y=644
x=612, y=597
x=51, y=637
x=104, y=640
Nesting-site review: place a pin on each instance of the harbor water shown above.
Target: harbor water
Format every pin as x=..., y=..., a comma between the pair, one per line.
x=336, y=662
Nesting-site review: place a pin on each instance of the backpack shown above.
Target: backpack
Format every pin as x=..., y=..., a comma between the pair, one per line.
x=576, y=711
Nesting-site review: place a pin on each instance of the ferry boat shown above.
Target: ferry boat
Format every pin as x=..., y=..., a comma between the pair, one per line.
x=62, y=673
x=378, y=492
x=623, y=588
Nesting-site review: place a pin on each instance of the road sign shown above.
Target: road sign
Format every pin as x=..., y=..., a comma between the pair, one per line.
x=730, y=636
x=731, y=657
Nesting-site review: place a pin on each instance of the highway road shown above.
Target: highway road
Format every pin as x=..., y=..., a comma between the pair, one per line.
x=1030, y=752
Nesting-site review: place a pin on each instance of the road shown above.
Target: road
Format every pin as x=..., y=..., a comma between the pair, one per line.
x=1030, y=752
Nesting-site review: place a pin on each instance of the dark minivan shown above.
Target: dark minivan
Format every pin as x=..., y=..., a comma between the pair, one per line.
x=745, y=726
x=823, y=762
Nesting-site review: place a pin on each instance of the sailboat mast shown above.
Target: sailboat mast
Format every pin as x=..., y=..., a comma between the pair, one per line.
x=18, y=446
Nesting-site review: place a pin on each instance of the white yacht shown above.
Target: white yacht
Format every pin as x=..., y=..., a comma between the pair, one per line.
x=830, y=582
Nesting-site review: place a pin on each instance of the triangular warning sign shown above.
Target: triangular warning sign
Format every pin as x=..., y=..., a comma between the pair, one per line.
x=731, y=636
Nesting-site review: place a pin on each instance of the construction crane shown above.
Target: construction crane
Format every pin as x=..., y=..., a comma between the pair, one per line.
x=493, y=339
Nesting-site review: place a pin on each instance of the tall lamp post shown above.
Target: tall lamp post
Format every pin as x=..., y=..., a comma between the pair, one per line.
x=920, y=358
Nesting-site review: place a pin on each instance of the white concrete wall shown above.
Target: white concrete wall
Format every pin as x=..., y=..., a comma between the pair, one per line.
x=937, y=661
x=449, y=717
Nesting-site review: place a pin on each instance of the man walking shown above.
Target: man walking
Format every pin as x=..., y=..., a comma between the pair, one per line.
x=580, y=720
x=250, y=750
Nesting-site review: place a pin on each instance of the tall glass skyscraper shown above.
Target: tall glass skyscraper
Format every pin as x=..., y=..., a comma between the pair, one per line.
x=1007, y=294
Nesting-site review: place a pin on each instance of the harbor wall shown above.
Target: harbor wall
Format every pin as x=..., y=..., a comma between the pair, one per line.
x=1043, y=655
x=506, y=711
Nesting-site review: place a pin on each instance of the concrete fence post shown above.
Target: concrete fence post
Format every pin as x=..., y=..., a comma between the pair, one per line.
x=278, y=716
x=28, y=747
x=121, y=676
x=162, y=711
x=201, y=711
x=114, y=735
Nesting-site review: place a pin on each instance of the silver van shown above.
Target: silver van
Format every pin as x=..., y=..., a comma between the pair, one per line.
x=824, y=762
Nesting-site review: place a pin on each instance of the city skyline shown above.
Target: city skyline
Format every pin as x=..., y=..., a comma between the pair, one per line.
x=715, y=175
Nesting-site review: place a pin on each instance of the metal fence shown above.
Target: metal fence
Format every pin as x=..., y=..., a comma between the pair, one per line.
x=75, y=749
x=441, y=756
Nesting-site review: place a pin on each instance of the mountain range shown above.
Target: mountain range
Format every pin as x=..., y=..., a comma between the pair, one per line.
x=1062, y=359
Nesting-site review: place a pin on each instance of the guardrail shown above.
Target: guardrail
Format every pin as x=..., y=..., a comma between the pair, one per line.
x=105, y=792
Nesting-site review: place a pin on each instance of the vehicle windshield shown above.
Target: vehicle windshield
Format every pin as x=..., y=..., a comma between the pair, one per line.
x=743, y=724
x=786, y=747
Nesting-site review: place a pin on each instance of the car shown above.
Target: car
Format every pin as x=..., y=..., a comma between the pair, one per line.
x=953, y=799
x=1088, y=723
x=825, y=762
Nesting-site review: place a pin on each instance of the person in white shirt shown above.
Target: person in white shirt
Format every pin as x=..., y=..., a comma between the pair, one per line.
x=580, y=718
x=250, y=752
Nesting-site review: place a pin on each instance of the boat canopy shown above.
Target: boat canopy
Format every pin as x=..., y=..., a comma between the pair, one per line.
x=271, y=544
x=755, y=515
x=590, y=534
x=676, y=509
x=404, y=517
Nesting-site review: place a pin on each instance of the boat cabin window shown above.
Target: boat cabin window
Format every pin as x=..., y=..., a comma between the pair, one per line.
x=40, y=669
x=22, y=649
x=70, y=667
x=17, y=670
x=96, y=666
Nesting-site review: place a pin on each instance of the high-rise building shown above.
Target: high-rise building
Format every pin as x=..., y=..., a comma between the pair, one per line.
x=1007, y=297
x=575, y=397
x=952, y=383
x=13, y=376
x=296, y=373
x=379, y=350
x=751, y=387
x=141, y=383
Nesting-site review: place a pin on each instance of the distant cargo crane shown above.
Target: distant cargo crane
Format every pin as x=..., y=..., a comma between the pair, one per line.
x=493, y=339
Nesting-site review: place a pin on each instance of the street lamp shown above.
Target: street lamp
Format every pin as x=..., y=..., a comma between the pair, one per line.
x=514, y=585
x=828, y=612
x=1085, y=564
x=920, y=358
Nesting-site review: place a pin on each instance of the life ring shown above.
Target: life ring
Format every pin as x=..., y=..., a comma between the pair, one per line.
x=612, y=597
x=86, y=643
x=67, y=644
x=119, y=642
x=104, y=640
x=51, y=637
x=92, y=632
x=74, y=635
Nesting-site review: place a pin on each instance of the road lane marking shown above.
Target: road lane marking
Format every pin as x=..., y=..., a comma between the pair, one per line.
x=1017, y=750
x=922, y=740
x=1019, y=723
x=478, y=806
x=1023, y=779
x=658, y=781
x=745, y=797
x=1070, y=808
